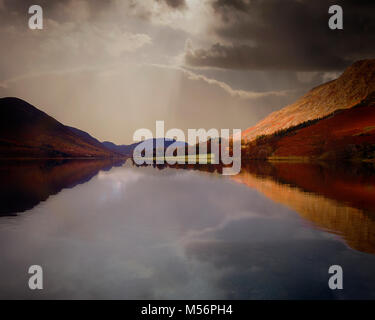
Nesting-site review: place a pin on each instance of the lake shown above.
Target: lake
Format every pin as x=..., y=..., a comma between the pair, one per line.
x=104, y=230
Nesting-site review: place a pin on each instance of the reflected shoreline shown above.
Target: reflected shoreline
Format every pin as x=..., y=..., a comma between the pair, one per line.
x=338, y=198
x=25, y=183
x=335, y=198
x=271, y=231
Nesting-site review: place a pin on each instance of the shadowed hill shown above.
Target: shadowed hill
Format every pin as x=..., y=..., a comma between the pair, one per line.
x=28, y=132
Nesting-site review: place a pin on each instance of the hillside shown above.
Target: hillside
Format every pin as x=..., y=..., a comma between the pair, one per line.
x=26, y=132
x=345, y=134
x=349, y=89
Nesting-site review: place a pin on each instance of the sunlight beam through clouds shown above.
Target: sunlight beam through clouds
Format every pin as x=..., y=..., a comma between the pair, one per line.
x=159, y=60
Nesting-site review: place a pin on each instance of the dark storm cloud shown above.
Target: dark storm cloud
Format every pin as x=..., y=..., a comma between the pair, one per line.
x=287, y=35
x=263, y=57
x=176, y=4
x=240, y=5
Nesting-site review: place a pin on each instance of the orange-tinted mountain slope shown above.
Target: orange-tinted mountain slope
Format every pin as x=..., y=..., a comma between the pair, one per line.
x=354, y=85
x=346, y=134
x=28, y=132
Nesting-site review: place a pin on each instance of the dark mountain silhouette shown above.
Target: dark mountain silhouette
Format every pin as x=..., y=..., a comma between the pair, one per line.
x=87, y=137
x=26, y=132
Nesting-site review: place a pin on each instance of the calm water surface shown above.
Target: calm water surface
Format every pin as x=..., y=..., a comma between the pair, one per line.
x=129, y=232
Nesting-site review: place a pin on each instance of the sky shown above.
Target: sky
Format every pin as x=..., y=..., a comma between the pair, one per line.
x=110, y=67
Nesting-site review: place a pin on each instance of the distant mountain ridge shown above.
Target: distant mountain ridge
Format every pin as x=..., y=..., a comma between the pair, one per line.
x=127, y=150
x=353, y=86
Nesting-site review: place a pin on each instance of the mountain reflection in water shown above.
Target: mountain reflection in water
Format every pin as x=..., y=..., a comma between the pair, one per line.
x=23, y=184
x=186, y=231
x=336, y=198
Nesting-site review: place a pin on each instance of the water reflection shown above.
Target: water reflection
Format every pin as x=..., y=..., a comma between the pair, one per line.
x=23, y=184
x=336, y=198
x=194, y=234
